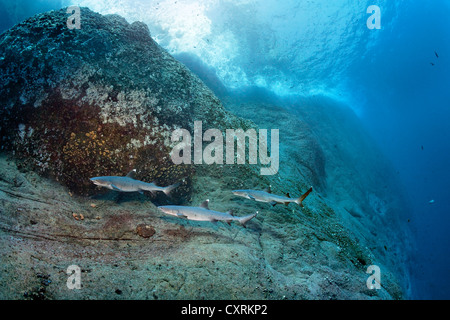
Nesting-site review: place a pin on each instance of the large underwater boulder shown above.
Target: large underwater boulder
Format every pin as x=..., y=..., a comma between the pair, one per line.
x=104, y=99
x=99, y=100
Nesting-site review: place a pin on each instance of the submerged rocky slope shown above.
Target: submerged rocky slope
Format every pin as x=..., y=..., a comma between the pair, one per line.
x=103, y=100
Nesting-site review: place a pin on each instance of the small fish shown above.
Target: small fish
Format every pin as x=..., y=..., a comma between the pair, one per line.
x=432, y=63
x=128, y=184
x=437, y=56
x=431, y=202
x=203, y=213
x=267, y=196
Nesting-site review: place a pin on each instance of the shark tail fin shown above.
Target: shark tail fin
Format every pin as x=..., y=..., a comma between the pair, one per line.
x=245, y=219
x=167, y=190
x=302, y=197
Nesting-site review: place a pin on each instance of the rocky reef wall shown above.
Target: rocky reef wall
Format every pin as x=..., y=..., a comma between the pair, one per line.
x=77, y=103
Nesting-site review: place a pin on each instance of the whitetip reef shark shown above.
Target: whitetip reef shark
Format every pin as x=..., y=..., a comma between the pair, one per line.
x=203, y=213
x=269, y=197
x=128, y=184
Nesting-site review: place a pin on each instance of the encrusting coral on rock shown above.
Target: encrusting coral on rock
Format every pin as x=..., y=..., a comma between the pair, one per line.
x=100, y=99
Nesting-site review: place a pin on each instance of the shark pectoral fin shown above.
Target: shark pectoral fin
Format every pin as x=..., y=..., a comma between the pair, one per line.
x=180, y=215
x=141, y=191
x=273, y=203
x=251, y=197
x=115, y=188
x=286, y=204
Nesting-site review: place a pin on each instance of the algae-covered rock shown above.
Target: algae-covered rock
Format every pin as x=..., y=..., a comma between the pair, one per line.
x=99, y=100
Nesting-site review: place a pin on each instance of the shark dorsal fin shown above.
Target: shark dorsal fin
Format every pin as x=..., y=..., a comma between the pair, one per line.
x=131, y=174
x=288, y=195
x=205, y=204
x=268, y=190
x=230, y=212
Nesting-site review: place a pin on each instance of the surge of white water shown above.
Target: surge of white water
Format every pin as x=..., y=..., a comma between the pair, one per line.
x=290, y=46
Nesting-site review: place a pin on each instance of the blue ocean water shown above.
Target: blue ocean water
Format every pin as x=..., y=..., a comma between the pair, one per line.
x=407, y=109
x=395, y=78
